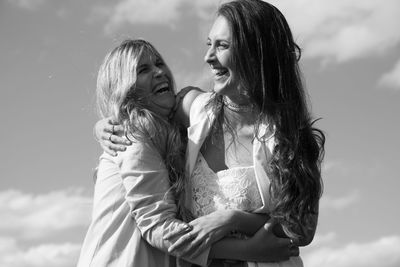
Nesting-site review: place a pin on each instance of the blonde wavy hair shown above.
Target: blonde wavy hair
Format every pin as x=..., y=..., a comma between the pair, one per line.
x=118, y=98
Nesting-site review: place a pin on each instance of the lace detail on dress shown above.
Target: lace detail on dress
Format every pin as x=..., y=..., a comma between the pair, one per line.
x=234, y=188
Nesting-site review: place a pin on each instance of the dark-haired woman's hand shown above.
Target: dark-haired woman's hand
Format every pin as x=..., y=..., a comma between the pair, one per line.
x=110, y=135
x=265, y=246
x=205, y=230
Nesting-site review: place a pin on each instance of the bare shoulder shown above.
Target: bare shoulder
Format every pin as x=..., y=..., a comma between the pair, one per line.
x=185, y=99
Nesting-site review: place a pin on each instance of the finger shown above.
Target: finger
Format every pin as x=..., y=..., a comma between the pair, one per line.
x=285, y=242
x=182, y=228
x=108, y=145
x=113, y=121
x=105, y=136
x=115, y=147
x=184, y=240
x=109, y=128
x=119, y=140
x=294, y=251
x=118, y=129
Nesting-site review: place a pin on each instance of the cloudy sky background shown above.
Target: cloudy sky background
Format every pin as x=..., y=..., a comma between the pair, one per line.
x=50, y=51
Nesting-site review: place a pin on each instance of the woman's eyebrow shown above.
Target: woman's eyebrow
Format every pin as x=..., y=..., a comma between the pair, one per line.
x=143, y=64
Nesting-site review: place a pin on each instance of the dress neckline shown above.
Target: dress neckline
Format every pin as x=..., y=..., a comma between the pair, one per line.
x=233, y=169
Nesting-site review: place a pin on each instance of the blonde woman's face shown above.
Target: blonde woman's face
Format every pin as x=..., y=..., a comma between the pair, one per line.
x=154, y=84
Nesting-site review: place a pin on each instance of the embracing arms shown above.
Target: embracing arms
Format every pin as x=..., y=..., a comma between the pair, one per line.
x=110, y=134
x=153, y=208
x=145, y=179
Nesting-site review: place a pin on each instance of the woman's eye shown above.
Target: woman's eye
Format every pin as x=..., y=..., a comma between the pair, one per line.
x=223, y=46
x=159, y=63
x=142, y=70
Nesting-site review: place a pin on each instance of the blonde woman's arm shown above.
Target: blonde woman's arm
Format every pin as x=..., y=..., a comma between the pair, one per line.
x=153, y=208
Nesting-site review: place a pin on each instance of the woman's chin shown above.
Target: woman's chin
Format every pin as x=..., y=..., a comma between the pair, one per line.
x=224, y=89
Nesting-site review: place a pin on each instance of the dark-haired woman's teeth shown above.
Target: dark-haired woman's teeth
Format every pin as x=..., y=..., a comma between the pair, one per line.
x=219, y=72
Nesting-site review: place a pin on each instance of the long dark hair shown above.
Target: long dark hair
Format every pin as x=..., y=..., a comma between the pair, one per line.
x=266, y=60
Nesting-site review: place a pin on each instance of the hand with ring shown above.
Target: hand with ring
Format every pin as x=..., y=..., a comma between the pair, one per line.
x=205, y=231
x=267, y=247
x=110, y=135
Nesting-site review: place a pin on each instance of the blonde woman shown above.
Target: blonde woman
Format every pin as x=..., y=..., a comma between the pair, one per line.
x=139, y=193
x=252, y=142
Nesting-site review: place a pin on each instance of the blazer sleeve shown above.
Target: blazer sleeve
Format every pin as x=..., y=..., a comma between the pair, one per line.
x=153, y=207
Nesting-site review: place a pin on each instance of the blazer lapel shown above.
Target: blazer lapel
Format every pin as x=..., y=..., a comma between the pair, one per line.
x=262, y=152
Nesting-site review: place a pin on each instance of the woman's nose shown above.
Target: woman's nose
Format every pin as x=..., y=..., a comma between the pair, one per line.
x=158, y=71
x=210, y=55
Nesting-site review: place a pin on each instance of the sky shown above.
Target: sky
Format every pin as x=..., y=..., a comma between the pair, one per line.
x=50, y=52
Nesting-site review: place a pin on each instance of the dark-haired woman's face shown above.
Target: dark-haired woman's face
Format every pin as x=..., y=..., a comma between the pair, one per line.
x=154, y=84
x=219, y=55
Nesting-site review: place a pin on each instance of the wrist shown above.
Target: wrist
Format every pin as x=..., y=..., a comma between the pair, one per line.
x=238, y=222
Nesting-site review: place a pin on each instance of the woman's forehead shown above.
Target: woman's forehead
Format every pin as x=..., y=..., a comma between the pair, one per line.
x=148, y=55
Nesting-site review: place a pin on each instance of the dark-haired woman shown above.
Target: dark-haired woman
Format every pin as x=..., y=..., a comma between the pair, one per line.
x=252, y=145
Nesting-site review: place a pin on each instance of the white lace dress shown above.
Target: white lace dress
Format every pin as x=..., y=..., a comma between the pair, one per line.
x=234, y=188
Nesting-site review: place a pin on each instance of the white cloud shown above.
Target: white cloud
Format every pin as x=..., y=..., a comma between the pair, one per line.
x=334, y=31
x=391, y=78
x=322, y=240
x=343, y=30
x=331, y=165
x=384, y=252
x=34, y=216
x=338, y=203
x=43, y=255
x=143, y=12
x=28, y=4
x=154, y=12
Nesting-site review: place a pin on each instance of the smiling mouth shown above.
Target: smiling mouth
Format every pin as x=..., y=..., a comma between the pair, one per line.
x=219, y=72
x=161, y=88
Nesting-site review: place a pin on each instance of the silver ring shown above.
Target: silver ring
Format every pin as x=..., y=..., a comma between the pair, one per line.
x=291, y=242
x=188, y=227
x=112, y=129
x=109, y=138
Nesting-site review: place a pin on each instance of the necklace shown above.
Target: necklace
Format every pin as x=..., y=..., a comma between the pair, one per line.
x=237, y=108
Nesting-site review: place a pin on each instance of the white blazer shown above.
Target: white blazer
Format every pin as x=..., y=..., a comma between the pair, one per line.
x=132, y=212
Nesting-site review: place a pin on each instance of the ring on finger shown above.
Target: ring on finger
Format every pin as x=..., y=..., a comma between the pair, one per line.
x=291, y=243
x=112, y=129
x=188, y=227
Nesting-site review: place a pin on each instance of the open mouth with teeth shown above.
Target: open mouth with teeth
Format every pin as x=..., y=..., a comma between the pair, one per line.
x=219, y=72
x=161, y=88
